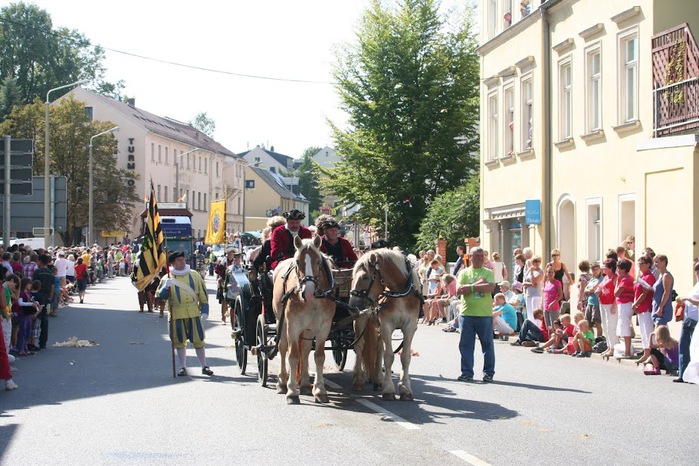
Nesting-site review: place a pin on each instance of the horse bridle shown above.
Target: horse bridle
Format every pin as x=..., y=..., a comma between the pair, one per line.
x=364, y=294
x=301, y=282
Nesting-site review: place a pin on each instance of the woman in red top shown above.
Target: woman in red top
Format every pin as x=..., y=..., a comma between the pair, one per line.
x=605, y=291
x=81, y=278
x=624, y=294
x=643, y=303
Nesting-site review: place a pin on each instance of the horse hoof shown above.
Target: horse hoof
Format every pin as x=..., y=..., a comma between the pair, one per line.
x=293, y=400
x=281, y=389
x=406, y=397
x=306, y=390
x=322, y=398
x=389, y=397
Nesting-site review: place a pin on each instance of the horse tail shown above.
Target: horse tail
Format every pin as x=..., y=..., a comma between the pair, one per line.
x=371, y=350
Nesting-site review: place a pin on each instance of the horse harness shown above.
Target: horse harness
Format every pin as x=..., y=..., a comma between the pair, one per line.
x=386, y=294
x=382, y=300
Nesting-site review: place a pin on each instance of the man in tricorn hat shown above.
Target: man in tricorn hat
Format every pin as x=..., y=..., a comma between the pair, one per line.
x=283, y=236
x=336, y=246
x=188, y=304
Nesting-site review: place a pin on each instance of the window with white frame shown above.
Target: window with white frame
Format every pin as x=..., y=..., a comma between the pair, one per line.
x=593, y=104
x=594, y=230
x=507, y=14
x=160, y=153
x=493, y=18
x=509, y=120
x=165, y=194
x=565, y=101
x=166, y=155
x=152, y=152
x=628, y=53
x=527, y=116
x=493, y=121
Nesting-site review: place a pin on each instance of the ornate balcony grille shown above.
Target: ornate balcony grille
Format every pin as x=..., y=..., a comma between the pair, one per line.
x=675, y=81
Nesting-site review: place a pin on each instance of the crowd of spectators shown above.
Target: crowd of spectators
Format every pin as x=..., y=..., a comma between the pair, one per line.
x=38, y=284
x=546, y=309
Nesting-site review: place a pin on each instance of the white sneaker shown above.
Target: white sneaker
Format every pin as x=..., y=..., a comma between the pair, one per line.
x=11, y=385
x=11, y=358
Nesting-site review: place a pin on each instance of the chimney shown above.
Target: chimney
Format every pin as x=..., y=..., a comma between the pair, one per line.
x=131, y=102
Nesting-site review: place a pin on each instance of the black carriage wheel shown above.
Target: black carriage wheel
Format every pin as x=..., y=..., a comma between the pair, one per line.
x=262, y=356
x=339, y=353
x=241, y=352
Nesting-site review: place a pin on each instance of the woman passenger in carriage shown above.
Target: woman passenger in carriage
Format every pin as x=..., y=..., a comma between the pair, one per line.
x=337, y=247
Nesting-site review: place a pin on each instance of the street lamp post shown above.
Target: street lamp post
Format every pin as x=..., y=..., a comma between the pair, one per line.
x=91, y=203
x=177, y=170
x=47, y=166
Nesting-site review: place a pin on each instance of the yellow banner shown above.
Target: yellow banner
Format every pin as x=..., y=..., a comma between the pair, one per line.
x=216, y=231
x=113, y=234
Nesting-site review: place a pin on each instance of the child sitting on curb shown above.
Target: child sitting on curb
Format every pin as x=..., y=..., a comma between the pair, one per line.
x=664, y=351
x=582, y=341
x=533, y=332
x=564, y=331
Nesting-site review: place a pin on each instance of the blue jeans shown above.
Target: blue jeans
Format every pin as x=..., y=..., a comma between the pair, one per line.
x=685, y=339
x=470, y=327
x=530, y=331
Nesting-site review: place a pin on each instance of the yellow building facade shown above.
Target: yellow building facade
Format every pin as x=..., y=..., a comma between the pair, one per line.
x=589, y=117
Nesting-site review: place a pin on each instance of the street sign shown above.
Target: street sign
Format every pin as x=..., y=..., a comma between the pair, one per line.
x=17, y=175
x=39, y=231
x=21, y=153
x=21, y=189
x=18, y=160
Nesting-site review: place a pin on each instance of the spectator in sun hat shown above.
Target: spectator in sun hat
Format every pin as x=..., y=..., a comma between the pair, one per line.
x=283, y=236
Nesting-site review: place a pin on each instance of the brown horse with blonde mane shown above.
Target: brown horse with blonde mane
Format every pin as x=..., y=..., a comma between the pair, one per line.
x=384, y=282
x=303, y=312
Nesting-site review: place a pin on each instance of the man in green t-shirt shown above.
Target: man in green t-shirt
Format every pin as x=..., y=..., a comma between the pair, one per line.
x=475, y=285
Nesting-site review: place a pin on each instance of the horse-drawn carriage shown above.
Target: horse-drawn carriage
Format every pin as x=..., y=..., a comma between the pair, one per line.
x=312, y=304
x=249, y=296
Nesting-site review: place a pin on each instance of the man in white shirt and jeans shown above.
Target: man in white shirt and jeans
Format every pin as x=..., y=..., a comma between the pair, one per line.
x=61, y=265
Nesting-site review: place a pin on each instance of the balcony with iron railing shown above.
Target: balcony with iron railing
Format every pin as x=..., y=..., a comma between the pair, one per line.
x=676, y=82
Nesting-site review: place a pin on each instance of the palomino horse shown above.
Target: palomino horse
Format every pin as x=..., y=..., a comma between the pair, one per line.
x=384, y=282
x=301, y=285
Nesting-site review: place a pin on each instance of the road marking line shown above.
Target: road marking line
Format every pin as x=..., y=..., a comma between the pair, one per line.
x=388, y=415
x=475, y=461
x=374, y=407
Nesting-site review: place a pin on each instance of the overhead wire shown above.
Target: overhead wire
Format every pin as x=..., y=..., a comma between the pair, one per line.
x=168, y=62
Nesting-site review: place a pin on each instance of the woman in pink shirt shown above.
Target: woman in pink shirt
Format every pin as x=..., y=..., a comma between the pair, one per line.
x=605, y=291
x=553, y=293
x=624, y=294
x=643, y=303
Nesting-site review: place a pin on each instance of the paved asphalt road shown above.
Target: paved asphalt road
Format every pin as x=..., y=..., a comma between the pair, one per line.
x=117, y=403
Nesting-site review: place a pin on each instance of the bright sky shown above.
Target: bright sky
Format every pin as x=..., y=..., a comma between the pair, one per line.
x=291, y=40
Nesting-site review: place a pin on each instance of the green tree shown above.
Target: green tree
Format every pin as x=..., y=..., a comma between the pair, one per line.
x=453, y=216
x=410, y=87
x=9, y=97
x=40, y=57
x=70, y=132
x=204, y=124
x=308, y=175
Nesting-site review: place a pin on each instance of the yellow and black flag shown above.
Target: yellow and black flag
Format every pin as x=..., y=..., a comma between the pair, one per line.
x=151, y=256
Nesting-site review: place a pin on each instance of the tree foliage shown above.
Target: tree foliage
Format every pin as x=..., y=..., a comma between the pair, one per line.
x=39, y=57
x=409, y=85
x=453, y=216
x=309, y=176
x=70, y=133
x=204, y=124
